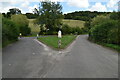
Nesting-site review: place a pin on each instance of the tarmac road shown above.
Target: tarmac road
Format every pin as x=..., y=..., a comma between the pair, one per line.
x=87, y=60
x=83, y=59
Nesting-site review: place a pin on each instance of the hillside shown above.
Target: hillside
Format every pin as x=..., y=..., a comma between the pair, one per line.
x=74, y=23
x=35, y=29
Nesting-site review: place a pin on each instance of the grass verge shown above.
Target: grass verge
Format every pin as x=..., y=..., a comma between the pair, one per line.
x=52, y=41
x=113, y=46
x=8, y=42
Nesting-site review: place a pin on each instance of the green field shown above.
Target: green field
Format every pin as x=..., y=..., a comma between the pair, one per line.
x=74, y=23
x=35, y=29
x=52, y=41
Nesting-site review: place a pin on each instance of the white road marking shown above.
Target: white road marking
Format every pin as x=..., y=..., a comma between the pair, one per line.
x=45, y=47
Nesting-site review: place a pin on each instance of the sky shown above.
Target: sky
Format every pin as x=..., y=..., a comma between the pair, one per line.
x=27, y=6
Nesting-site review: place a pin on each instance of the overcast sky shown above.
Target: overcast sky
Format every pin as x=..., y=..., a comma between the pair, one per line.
x=68, y=5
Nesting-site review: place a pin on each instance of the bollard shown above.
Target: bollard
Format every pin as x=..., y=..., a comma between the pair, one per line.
x=59, y=44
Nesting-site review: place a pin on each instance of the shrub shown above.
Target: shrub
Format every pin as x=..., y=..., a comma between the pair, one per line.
x=21, y=22
x=113, y=34
x=9, y=31
x=101, y=32
x=115, y=15
x=99, y=20
x=66, y=29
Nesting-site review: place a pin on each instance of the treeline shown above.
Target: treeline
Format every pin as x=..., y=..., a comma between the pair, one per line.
x=83, y=15
x=18, y=11
x=105, y=29
x=11, y=27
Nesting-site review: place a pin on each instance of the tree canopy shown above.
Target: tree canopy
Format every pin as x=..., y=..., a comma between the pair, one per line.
x=50, y=15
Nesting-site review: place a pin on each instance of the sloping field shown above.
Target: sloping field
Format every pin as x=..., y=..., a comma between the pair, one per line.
x=35, y=29
x=74, y=23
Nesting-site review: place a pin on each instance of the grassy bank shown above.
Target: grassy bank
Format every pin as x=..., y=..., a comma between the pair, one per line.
x=52, y=41
x=7, y=43
x=113, y=46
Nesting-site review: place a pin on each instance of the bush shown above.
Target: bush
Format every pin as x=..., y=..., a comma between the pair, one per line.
x=115, y=15
x=102, y=32
x=68, y=30
x=113, y=34
x=22, y=23
x=9, y=31
x=99, y=20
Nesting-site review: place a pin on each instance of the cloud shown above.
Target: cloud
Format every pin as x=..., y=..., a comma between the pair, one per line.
x=25, y=4
x=78, y=3
x=31, y=8
x=112, y=3
x=98, y=7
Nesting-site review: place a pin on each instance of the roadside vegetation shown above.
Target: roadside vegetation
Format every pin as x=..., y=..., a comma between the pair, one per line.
x=35, y=28
x=105, y=30
x=52, y=41
x=12, y=25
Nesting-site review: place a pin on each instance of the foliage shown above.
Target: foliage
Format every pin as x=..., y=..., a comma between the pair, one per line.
x=105, y=29
x=22, y=23
x=31, y=15
x=35, y=28
x=9, y=31
x=98, y=20
x=115, y=15
x=66, y=29
x=50, y=16
x=12, y=11
x=83, y=15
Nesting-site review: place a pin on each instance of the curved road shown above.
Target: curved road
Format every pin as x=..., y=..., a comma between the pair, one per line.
x=29, y=58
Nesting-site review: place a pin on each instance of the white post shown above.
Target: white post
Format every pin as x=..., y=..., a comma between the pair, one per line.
x=59, y=34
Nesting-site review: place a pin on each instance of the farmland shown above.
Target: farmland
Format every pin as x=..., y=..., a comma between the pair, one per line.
x=72, y=23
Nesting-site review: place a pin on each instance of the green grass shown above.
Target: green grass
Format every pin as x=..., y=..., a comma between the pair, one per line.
x=113, y=46
x=74, y=23
x=52, y=41
x=7, y=43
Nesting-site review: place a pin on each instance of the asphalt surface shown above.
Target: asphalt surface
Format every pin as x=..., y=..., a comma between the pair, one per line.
x=28, y=58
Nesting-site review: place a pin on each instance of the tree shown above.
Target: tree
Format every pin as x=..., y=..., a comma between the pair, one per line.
x=9, y=31
x=99, y=20
x=13, y=11
x=21, y=22
x=50, y=16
